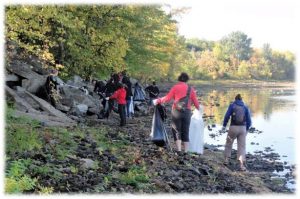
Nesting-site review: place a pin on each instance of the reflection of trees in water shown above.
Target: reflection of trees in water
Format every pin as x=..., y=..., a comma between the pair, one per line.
x=258, y=100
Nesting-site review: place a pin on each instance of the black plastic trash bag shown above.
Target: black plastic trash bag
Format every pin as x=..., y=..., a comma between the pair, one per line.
x=104, y=113
x=158, y=132
x=162, y=111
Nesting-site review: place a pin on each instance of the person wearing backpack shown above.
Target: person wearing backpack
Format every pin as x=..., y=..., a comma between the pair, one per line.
x=239, y=125
x=184, y=95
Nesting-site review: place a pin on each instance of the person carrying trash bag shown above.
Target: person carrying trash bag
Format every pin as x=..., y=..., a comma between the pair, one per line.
x=120, y=96
x=196, y=132
x=184, y=95
x=239, y=125
x=159, y=134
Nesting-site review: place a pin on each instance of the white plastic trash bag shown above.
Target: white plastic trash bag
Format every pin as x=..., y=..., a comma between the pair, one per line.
x=131, y=107
x=196, y=133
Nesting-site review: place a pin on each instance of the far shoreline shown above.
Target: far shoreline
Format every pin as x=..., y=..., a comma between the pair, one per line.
x=210, y=84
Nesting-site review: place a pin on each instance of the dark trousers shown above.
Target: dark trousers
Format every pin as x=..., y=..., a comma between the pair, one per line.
x=122, y=113
x=181, y=124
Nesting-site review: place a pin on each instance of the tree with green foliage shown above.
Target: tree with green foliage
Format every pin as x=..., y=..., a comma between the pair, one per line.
x=237, y=46
x=96, y=40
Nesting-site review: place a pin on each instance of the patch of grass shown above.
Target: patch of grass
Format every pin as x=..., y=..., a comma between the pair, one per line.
x=21, y=134
x=64, y=141
x=41, y=170
x=135, y=176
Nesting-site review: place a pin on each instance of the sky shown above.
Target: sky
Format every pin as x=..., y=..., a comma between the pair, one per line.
x=265, y=21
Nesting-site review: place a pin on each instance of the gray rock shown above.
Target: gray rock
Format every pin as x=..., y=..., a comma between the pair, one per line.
x=20, y=89
x=21, y=104
x=11, y=77
x=48, y=108
x=46, y=120
x=32, y=81
x=94, y=110
x=82, y=108
x=62, y=108
x=87, y=163
x=76, y=96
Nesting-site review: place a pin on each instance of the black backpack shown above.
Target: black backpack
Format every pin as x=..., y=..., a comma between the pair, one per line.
x=238, y=115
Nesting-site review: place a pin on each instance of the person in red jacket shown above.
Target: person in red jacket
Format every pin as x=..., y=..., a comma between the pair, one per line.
x=180, y=119
x=120, y=96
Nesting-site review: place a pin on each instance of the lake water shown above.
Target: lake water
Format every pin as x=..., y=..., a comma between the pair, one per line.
x=273, y=112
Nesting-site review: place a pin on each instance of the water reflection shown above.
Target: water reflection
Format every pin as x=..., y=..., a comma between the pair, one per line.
x=273, y=113
x=260, y=101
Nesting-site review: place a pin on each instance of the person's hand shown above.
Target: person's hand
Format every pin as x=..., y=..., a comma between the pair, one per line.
x=223, y=129
x=107, y=98
x=155, y=102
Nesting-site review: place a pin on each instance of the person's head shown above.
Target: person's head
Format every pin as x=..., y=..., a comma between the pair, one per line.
x=120, y=85
x=125, y=79
x=54, y=72
x=238, y=97
x=183, y=77
x=94, y=81
x=153, y=83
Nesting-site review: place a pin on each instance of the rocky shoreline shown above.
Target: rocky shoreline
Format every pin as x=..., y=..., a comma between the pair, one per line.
x=110, y=159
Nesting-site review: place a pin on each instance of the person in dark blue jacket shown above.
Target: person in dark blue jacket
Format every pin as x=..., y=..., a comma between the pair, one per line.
x=240, y=123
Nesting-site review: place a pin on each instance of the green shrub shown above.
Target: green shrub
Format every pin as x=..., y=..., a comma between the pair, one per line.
x=16, y=181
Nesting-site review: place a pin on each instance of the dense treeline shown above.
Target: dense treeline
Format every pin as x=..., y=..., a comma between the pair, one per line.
x=95, y=40
x=233, y=58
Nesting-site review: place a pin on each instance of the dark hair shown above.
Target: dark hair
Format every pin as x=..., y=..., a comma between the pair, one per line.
x=125, y=80
x=154, y=83
x=183, y=77
x=120, y=85
x=238, y=97
x=53, y=71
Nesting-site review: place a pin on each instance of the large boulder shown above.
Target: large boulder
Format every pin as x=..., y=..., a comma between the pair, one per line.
x=77, y=82
x=32, y=81
x=46, y=120
x=31, y=106
x=11, y=78
x=20, y=102
x=72, y=97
